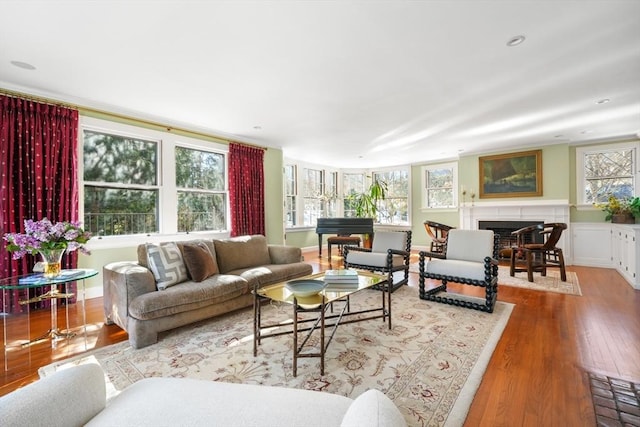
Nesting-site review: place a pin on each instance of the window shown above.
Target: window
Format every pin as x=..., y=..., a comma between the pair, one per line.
x=200, y=182
x=439, y=183
x=120, y=184
x=394, y=209
x=606, y=170
x=290, y=195
x=140, y=181
x=313, y=183
x=352, y=183
x=316, y=197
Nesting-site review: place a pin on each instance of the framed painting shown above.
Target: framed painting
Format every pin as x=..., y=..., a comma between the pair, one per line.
x=511, y=175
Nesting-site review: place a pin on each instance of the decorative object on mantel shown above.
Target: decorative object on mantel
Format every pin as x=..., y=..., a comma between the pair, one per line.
x=621, y=210
x=511, y=175
x=49, y=240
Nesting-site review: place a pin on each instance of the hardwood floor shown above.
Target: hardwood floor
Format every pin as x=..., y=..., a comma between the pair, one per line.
x=536, y=377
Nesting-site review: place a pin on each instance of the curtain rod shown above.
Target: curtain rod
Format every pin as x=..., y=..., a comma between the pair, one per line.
x=169, y=128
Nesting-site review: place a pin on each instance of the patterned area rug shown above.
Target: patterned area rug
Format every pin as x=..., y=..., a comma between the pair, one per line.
x=550, y=283
x=430, y=363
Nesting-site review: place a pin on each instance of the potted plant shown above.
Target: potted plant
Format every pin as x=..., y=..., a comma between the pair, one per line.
x=365, y=204
x=621, y=211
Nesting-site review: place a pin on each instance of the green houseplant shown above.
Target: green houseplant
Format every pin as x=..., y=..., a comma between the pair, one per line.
x=365, y=204
x=622, y=211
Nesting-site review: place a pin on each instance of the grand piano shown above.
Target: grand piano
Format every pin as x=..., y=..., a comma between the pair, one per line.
x=342, y=226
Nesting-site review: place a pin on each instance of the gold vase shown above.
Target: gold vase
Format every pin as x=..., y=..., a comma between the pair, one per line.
x=52, y=260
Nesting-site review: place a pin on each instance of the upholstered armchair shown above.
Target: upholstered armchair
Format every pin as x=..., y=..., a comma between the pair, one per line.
x=470, y=258
x=390, y=252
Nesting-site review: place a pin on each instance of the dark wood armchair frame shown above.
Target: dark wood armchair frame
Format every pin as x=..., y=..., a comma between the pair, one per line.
x=438, y=234
x=490, y=282
x=538, y=256
x=389, y=269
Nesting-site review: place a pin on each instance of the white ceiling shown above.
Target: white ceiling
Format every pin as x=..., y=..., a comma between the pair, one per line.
x=342, y=83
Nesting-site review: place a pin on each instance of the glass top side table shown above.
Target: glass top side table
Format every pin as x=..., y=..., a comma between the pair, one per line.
x=23, y=284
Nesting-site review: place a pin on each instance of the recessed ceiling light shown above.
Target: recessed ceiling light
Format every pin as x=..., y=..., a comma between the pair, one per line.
x=23, y=65
x=515, y=40
x=603, y=101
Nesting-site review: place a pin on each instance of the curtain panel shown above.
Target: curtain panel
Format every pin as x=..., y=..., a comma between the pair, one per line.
x=246, y=190
x=38, y=173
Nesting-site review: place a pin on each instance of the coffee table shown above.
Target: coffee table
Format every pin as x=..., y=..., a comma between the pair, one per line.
x=321, y=303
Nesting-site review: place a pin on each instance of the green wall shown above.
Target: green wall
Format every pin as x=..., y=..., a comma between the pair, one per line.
x=559, y=182
x=556, y=184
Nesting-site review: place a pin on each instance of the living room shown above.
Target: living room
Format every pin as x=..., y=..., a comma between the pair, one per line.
x=564, y=127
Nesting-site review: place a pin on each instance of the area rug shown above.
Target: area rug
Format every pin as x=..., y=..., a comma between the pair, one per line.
x=549, y=283
x=430, y=363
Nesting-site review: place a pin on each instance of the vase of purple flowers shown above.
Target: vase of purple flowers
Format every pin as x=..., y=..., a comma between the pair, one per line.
x=49, y=240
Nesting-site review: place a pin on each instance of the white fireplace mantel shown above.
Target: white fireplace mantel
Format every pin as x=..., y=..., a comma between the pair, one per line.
x=526, y=210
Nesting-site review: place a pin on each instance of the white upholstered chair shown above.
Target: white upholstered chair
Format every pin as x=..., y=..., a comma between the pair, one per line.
x=390, y=252
x=470, y=258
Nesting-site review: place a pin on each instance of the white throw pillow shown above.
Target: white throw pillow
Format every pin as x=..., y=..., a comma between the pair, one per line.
x=166, y=264
x=373, y=408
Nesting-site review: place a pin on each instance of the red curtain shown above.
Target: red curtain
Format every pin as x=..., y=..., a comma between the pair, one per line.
x=246, y=190
x=38, y=177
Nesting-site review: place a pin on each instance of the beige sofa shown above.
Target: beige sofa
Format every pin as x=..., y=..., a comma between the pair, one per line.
x=177, y=283
x=77, y=397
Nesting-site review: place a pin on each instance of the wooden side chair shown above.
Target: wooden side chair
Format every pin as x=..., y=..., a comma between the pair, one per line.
x=438, y=234
x=531, y=256
x=470, y=258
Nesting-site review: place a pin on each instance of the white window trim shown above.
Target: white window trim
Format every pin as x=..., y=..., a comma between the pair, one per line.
x=424, y=205
x=168, y=226
x=369, y=174
x=581, y=204
x=340, y=205
x=300, y=166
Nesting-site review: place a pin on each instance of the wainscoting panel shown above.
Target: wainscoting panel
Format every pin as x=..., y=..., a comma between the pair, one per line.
x=591, y=243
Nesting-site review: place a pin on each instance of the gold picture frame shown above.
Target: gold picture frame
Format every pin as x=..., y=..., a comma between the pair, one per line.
x=511, y=175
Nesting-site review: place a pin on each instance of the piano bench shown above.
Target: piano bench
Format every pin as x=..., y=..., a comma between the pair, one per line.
x=340, y=241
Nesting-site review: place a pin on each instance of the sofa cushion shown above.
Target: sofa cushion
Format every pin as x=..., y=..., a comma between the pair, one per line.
x=373, y=408
x=188, y=296
x=166, y=264
x=242, y=252
x=273, y=273
x=199, y=260
x=191, y=402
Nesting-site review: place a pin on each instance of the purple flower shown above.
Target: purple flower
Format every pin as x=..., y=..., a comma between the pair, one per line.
x=44, y=234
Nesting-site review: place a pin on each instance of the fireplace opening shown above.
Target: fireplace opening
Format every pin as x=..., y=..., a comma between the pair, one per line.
x=504, y=230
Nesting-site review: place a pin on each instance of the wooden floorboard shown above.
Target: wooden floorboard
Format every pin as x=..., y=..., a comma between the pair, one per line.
x=536, y=377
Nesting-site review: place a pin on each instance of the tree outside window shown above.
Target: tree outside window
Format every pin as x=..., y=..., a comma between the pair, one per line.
x=394, y=209
x=120, y=184
x=200, y=182
x=608, y=173
x=439, y=186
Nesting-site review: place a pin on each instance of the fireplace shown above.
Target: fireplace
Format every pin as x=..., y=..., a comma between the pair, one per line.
x=504, y=230
x=527, y=211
